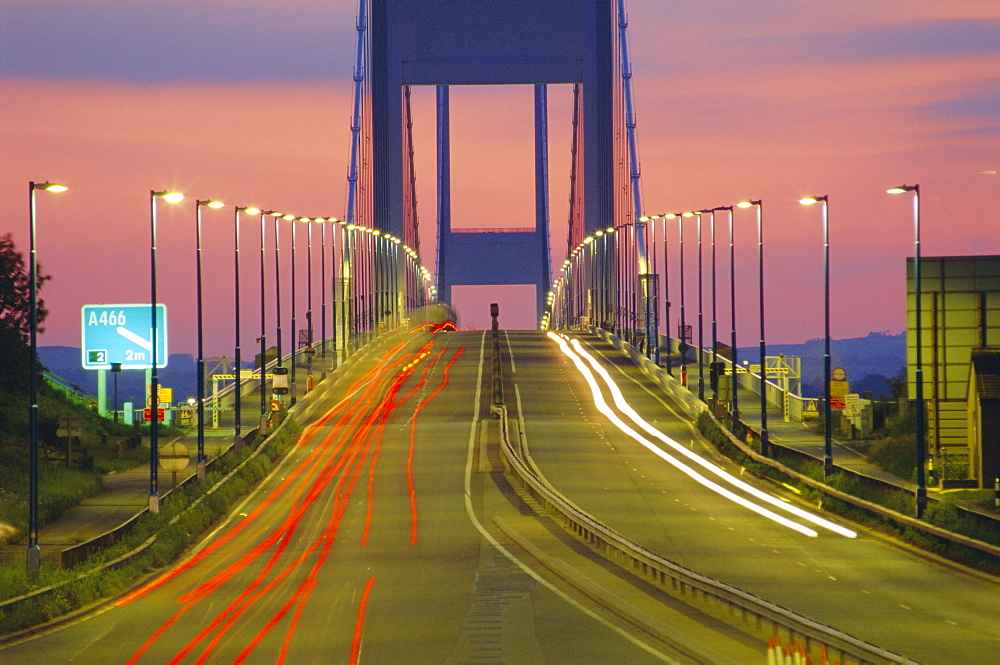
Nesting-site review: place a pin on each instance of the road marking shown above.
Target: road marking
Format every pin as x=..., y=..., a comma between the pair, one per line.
x=493, y=541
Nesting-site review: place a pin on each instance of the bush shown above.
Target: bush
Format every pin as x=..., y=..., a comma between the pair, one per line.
x=896, y=454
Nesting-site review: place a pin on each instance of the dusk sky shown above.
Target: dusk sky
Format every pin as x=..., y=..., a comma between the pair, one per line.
x=250, y=102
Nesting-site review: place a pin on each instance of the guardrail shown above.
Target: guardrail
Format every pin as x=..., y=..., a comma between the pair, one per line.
x=756, y=616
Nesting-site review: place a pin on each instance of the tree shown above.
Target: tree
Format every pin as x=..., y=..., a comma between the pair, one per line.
x=15, y=320
x=15, y=290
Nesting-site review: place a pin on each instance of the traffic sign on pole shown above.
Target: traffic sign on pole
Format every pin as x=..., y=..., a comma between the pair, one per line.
x=122, y=335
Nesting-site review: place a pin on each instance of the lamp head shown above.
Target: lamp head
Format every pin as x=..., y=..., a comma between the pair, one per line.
x=902, y=189
x=210, y=203
x=748, y=204
x=169, y=197
x=49, y=186
x=809, y=200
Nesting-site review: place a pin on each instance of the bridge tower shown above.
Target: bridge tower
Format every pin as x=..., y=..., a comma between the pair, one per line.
x=491, y=42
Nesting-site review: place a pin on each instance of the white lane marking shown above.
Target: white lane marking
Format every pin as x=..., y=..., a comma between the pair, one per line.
x=603, y=407
x=622, y=405
x=500, y=548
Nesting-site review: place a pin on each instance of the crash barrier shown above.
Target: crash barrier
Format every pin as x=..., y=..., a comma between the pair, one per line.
x=77, y=554
x=753, y=615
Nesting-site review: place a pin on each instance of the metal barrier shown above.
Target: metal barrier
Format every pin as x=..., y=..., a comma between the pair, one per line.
x=756, y=616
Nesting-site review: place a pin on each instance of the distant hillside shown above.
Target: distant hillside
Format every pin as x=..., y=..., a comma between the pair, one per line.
x=868, y=360
x=179, y=374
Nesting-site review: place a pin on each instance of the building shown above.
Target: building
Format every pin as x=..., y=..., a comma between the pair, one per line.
x=960, y=306
x=984, y=415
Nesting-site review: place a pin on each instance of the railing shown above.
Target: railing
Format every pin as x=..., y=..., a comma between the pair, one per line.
x=73, y=391
x=756, y=616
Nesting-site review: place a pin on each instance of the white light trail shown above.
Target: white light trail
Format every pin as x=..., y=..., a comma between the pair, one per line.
x=624, y=406
x=577, y=355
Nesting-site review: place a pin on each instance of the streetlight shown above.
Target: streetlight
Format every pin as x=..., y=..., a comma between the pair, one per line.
x=309, y=301
x=734, y=383
x=238, y=396
x=683, y=331
x=201, y=463
x=921, y=495
x=666, y=288
x=701, y=318
x=34, y=555
x=322, y=279
x=263, y=326
x=765, y=448
x=294, y=335
x=154, y=383
x=715, y=331
x=277, y=285
x=827, y=409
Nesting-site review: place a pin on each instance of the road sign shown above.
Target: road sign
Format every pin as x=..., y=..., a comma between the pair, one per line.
x=174, y=457
x=122, y=334
x=839, y=374
x=840, y=388
x=147, y=415
x=811, y=410
x=838, y=402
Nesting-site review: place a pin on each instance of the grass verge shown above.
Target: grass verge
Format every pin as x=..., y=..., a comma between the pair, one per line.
x=183, y=518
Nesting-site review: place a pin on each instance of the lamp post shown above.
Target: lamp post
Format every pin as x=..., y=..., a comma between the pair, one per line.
x=715, y=331
x=683, y=331
x=765, y=447
x=238, y=397
x=154, y=383
x=263, y=326
x=827, y=408
x=918, y=375
x=294, y=336
x=200, y=366
x=666, y=290
x=323, y=285
x=337, y=267
x=34, y=554
x=309, y=301
x=701, y=317
x=277, y=286
x=734, y=383
x=649, y=222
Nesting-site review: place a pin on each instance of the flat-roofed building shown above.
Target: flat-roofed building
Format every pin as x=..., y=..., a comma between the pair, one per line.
x=960, y=304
